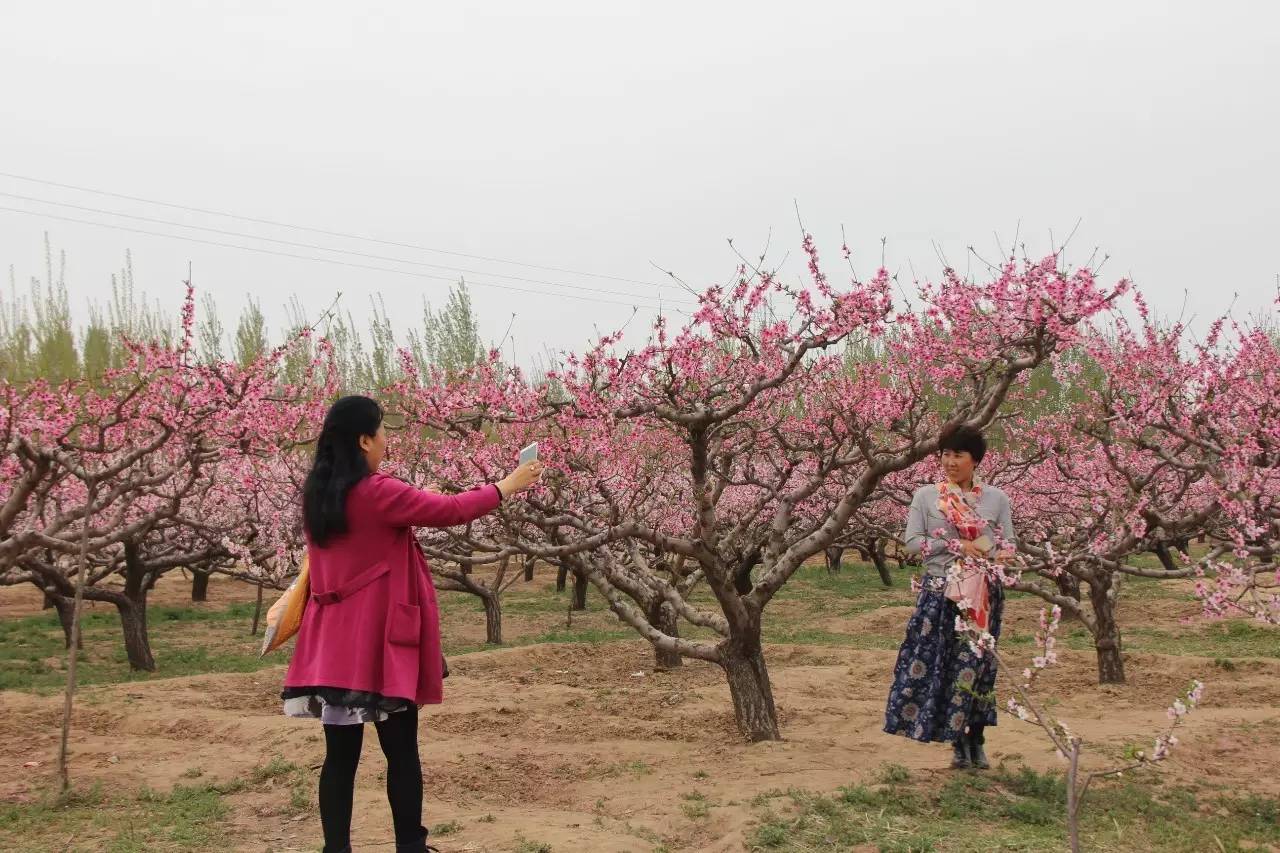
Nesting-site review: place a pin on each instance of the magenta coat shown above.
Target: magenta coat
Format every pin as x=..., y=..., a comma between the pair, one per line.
x=372, y=623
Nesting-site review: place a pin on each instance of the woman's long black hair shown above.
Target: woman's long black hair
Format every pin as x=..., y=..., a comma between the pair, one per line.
x=339, y=465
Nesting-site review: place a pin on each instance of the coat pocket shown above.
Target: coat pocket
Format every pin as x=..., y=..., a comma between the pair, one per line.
x=404, y=625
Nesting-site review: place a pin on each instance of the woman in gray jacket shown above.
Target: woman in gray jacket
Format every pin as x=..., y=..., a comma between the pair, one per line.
x=943, y=691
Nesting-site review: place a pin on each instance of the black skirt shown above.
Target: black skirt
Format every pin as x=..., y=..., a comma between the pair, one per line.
x=339, y=706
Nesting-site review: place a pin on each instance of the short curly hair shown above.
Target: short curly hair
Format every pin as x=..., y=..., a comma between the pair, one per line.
x=964, y=438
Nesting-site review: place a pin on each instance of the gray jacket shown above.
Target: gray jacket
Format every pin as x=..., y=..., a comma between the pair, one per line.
x=924, y=520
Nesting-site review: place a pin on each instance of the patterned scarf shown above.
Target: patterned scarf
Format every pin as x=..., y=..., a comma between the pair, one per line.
x=958, y=507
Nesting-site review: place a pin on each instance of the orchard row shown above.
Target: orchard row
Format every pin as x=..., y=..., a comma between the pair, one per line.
x=692, y=476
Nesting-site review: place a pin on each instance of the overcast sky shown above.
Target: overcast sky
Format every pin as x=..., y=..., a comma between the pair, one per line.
x=581, y=137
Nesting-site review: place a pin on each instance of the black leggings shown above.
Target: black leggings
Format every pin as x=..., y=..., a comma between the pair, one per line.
x=398, y=736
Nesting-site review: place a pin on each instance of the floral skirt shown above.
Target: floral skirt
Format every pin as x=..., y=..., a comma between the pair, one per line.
x=940, y=686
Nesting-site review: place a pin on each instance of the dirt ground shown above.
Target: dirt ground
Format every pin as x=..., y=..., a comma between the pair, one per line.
x=587, y=748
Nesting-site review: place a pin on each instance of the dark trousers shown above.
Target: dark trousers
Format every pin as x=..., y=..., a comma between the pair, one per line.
x=398, y=736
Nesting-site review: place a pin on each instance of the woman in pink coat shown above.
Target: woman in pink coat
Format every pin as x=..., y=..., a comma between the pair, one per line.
x=368, y=650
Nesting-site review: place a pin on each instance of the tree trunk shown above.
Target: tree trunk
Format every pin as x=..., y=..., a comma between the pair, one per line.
x=257, y=613
x=66, y=608
x=877, y=557
x=136, y=643
x=579, y=591
x=1068, y=584
x=1073, y=799
x=492, y=619
x=1106, y=637
x=900, y=556
x=833, y=556
x=742, y=573
x=663, y=617
x=562, y=576
x=199, y=586
x=529, y=563
x=73, y=647
x=752, y=694
x=1161, y=551
x=133, y=612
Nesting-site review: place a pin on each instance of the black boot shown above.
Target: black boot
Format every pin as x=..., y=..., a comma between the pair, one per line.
x=976, y=753
x=960, y=754
x=419, y=845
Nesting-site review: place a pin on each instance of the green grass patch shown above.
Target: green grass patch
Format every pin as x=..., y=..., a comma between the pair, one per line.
x=525, y=845
x=1010, y=810
x=1222, y=641
x=185, y=818
x=535, y=604
x=33, y=653
x=854, y=581
x=1234, y=638
x=893, y=774
x=197, y=639
x=801, y=636
x=522, y=601
x=696, y=810
x=448, y=828
x=634, y=769
x=555, y=635
x=274, y=769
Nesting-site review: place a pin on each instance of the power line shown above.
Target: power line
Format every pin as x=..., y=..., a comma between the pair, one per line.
x=342, y=234
x=335, y=262
x=317, y=247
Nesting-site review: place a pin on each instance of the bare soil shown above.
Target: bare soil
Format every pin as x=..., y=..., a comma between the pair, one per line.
x=587, y=748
